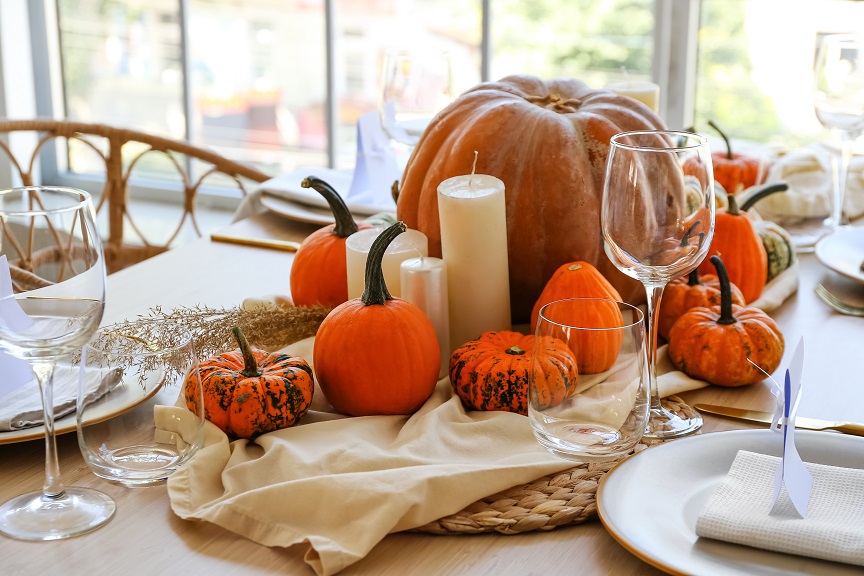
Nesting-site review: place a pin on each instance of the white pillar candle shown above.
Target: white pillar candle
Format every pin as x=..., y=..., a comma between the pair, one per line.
x=646, y=92
x=474, y=246
x=409, y=244
x=424, y=283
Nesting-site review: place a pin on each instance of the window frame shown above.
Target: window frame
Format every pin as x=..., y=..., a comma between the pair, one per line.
x=673, y=69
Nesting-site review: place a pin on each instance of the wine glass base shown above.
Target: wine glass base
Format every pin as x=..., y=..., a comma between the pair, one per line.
x=663, y=423
x=34, y=516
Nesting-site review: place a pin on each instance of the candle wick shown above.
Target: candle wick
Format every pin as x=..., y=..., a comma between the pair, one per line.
x=419, y=253
x=473, y=168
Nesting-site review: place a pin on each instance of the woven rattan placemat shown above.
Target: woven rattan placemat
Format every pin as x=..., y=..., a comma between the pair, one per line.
x=568, y=497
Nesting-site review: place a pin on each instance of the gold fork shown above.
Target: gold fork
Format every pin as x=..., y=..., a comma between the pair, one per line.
x=839, y=305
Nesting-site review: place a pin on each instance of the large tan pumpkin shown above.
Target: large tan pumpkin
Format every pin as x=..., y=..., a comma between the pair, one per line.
x=548, y=142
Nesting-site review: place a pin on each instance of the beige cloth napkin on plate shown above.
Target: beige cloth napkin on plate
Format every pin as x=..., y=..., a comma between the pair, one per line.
x=778, y=290
x=833, y=529
x=342, y=484
x=22, y=408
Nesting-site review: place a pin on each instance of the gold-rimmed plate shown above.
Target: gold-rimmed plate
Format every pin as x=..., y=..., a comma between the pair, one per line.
x=649, y=503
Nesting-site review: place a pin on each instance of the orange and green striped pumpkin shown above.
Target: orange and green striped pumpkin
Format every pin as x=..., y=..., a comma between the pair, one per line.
x=248, y=392
x=492, y=372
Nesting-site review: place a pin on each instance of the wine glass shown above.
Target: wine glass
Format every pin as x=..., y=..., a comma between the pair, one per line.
x=839, y=100
x=416, y=85
x=52, y=270
x=657, y=220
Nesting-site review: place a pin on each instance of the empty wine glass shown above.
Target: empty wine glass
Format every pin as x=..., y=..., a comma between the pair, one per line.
x=52, y=271
x=657, y=220
x=416, y=85
x=839, y=100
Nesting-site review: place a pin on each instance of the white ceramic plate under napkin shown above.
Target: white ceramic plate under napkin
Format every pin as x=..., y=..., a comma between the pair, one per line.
x=650, y=502
x=843, y=252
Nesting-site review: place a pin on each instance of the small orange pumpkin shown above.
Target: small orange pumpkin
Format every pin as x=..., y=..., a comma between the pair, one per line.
x=377, y=354
x=734, y=172
x=596, y=351
x=492, y=372
x=319, y=274
x=248, y=392
x=715, y=343
x=737, y=241
x=574, y=280
x=691, y=291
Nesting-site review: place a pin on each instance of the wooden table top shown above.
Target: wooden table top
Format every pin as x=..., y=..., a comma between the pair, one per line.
x=145, y=537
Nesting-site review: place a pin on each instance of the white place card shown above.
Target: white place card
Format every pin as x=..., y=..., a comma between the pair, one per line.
x=376, y=168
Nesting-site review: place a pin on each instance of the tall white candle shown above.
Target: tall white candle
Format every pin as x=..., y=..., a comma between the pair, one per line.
x=474, y=246
x=424, y=283
x=646, y=92
x=409, y=244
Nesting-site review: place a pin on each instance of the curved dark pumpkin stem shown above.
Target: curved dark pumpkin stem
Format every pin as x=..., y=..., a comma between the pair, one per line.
x=693, y=278
x=375, y=291
x=729, y=155
x=762, y=193
x=515, y=350
x=345, y=225
x=685, y=241
x=726, y=316
x=250, y=365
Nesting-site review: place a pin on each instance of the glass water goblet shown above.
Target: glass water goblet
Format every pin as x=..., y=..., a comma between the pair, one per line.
x=839, y=102
x=657, y=220
x=416, y=85
x=54, y=296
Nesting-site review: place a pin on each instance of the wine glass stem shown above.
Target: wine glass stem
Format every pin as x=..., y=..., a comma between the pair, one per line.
x=654, y=293
x=53, y=487
x=847, y=143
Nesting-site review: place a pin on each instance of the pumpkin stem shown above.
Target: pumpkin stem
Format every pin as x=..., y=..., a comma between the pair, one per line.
x=375, y=291
x=250, y=366
x=394, y=191
x=574, y=267
x=693, y=278
x=733, y=205
x=762, y=193
x=515, y=350
x=726, y=316
x=729, y=155
x=685, y=241
x=345, y=225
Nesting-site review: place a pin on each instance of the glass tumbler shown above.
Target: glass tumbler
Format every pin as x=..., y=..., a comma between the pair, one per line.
x=149, y=423
x=588, y=389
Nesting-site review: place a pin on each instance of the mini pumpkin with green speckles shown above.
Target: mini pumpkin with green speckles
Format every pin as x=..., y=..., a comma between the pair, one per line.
x=492, y=372
x=248, y=392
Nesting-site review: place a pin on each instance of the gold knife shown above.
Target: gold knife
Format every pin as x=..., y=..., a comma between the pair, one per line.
x=285, y=245
x=767, y=417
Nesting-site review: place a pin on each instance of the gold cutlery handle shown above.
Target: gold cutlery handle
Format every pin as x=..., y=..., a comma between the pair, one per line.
x=847, y=428
x=285, y=245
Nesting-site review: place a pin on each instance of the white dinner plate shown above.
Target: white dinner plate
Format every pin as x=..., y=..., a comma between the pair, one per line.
x=122, y=398
x=649, y=503
x=843, y=252
x=297, y=211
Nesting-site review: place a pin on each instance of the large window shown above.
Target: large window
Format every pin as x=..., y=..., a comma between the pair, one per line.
x=281, y=83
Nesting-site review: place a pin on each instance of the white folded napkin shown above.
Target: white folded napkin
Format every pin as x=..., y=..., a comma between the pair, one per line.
x=833, y=529
x=288, y=186
x=778, y=290
x=22, y=407
x=809, y=175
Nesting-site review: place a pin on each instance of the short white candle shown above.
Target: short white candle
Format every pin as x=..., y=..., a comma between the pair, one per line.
x=424, y=283
x=646, y=92
x=474, y=246
x=409, y=244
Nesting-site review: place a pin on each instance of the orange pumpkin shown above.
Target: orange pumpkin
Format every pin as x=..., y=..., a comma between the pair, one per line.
x=319, y=273
x=737, y=241
x=548, y=142
x=715, y=343
x=248, y=392
x=734, y=172
x=691, y=291
x=574, y=280
x=492, y=372
x=377, y=354
x=596, y=351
